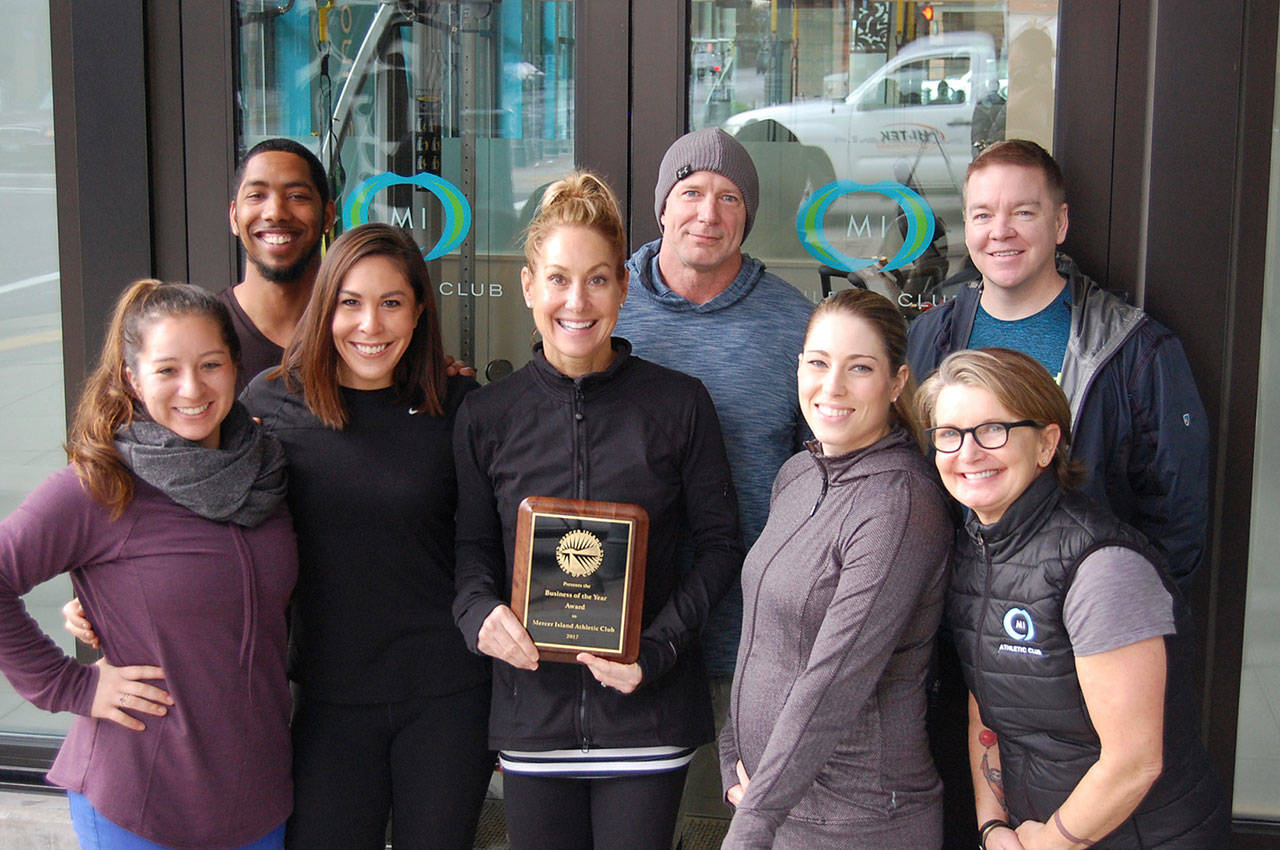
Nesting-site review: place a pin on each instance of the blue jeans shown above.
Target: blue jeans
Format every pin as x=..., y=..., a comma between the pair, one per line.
x=97, y=833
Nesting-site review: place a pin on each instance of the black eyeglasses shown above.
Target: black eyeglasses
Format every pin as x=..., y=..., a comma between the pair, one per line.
x=988, y=435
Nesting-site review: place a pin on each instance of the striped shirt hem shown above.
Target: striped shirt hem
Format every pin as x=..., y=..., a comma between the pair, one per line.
x=595, y=763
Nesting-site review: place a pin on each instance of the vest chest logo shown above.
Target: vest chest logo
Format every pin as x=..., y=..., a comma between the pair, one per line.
x=1019, y=626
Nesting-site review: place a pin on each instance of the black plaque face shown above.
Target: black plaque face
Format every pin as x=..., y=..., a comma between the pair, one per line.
x=579, y=588
x=577, y=582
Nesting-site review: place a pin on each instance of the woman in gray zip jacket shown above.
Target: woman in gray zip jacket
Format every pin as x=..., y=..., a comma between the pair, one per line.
x=825, y=745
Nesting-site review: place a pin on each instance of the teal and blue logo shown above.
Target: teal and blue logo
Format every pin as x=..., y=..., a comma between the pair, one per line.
x=811, y=230
x=457, y=212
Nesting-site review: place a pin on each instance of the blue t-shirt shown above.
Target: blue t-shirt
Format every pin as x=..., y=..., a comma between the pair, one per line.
x=1042, y=336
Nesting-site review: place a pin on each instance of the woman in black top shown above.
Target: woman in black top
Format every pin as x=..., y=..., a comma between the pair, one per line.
x=593, y=753
x=390, y=706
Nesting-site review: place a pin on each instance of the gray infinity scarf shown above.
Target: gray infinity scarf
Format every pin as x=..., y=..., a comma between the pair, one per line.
x=243, y=481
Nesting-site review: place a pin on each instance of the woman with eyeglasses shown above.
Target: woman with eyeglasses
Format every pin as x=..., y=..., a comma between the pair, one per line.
x=825, y=746
x=1075, y=648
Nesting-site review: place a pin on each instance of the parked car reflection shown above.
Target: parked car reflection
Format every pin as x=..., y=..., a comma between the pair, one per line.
x=26, y=137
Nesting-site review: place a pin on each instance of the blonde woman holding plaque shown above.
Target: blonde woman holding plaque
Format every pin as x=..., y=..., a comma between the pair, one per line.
x=594, y=752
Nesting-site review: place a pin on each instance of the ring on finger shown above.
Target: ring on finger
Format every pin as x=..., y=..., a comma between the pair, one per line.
x=122, y=696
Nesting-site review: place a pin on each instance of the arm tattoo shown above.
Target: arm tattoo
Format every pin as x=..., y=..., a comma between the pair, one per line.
x=995, y=780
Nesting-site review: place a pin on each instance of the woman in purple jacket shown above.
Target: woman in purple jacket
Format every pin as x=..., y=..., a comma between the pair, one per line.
x=171, y=512
x=390, y=709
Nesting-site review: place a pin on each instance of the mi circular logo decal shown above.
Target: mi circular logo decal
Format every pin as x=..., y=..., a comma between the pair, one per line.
x=1018, y=624
x=579, y=553
x=810, y=223
x=457, y=212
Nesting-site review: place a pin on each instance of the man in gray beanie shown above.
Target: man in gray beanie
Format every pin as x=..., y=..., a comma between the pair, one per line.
x=705, y=202
x=698, y=304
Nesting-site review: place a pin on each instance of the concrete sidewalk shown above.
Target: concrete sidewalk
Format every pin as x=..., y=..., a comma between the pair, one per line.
x=38, y=820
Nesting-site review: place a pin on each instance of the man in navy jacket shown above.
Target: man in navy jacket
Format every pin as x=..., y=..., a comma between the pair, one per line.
x=1137, y=421
x=1138, y=424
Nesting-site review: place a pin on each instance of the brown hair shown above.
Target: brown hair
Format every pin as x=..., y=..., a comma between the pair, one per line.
x=891, y=327
x=108, y=401
x=1027, y=154
x=1020, y=384
x=311, y=360
x=581, y=199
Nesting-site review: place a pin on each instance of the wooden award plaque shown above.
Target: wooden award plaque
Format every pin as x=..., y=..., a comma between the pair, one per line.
x=578, y=577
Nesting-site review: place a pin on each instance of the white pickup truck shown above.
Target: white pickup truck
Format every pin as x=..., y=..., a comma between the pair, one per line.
x=919, y=107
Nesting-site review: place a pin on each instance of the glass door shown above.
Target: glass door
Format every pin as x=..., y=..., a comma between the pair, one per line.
x=32, y=411
x=1257, y=767
x=446, y=118
x=862, y=118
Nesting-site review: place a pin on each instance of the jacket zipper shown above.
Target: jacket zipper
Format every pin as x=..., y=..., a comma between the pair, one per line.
x=986, y=606
x=579, y=441
x=822, y=494
x=587, y=679
x=580, y=492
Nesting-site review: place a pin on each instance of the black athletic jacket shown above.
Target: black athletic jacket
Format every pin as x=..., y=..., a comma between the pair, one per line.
x=636, y=433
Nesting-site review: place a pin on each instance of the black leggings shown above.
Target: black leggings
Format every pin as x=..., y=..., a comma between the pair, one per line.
x=625, y=812
x=948, y=724
x=425, y=761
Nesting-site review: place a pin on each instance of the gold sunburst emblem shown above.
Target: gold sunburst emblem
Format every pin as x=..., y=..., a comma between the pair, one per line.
x=579, y=553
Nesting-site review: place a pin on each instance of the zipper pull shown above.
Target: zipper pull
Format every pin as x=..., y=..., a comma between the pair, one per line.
x=821, y=495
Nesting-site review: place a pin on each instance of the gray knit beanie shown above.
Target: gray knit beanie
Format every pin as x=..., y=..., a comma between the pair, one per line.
x=711, y=149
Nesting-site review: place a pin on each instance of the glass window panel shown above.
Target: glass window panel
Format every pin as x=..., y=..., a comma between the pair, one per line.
x=479, y=94
x=32, y=417
x=1257, y=780
x=879, y=95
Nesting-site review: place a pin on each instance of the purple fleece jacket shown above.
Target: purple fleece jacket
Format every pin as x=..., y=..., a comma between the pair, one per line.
x=205, y=601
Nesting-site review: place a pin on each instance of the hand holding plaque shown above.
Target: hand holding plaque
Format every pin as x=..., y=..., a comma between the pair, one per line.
x=578, y=577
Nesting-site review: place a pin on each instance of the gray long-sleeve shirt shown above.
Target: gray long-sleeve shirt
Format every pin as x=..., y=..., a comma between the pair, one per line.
x=842, y=595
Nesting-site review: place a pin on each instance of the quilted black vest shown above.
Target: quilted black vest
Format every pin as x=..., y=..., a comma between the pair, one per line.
x=1005, y=610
